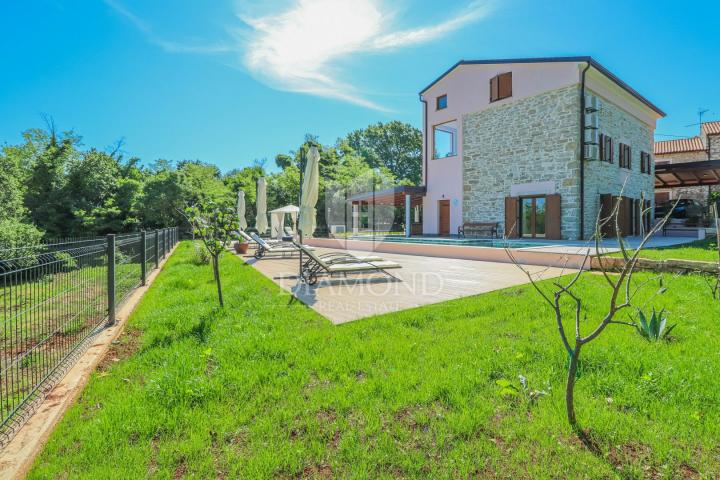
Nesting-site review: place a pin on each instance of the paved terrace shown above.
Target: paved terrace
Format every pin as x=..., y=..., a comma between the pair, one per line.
x=422, y=281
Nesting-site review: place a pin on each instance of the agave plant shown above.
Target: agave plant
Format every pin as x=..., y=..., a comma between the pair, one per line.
x=654, y=329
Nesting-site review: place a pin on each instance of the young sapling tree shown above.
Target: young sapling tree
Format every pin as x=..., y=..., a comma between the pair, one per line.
x=214, y=225
x=621, y=295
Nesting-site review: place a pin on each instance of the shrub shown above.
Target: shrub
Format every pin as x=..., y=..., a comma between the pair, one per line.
x=656, y=328
x=19, y=241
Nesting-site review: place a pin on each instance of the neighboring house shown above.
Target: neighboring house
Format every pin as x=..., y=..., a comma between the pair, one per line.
x=502, y=143
x=703, y=147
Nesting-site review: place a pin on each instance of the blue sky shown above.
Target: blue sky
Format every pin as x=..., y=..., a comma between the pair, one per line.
x=231, y=81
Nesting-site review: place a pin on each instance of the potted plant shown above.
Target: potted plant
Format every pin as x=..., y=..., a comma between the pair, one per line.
x=241, y=247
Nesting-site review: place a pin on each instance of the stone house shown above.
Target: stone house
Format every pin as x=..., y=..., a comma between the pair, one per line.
x=540, y=146
x=703, y=147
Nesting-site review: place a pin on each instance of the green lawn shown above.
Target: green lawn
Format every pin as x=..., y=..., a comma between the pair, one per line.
x=700, y=250
x=270, y=389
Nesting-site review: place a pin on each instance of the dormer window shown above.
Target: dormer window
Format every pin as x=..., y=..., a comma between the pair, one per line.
x=441, y=102
x=501, y=86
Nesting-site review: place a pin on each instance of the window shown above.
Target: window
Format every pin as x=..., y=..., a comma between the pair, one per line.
x=625, y=160
x=441, y=102
x=501, y=86
x=445, y=140
x=645, y=163
x=606, y=149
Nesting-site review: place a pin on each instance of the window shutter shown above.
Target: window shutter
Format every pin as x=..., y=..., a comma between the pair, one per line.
x=606, y=207
x=612, y=151
x=553, y=218
x=505, y=85
x=512, y=216
x=493, y=89
x=602, y=146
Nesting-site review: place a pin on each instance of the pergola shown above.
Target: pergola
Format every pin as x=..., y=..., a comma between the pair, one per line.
x=405, y=195
x=690, y=174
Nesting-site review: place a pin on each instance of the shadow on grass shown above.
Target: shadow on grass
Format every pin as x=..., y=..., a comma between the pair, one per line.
x=200, y=331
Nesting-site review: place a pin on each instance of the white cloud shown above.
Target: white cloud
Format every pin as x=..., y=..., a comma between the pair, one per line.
x=167, y=45
x=297, y=49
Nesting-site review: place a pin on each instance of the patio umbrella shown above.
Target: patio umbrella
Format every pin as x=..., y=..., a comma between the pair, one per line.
x=417, y=213
x=242, y=223
x=310, y=187
x=261, y=223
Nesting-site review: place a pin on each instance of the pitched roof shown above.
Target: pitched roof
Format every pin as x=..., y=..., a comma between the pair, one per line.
x=587, y=59
x=711, y=128
x=681, y=145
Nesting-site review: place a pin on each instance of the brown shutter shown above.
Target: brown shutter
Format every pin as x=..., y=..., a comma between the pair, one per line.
x=612, y=151
x=606, y=206
x=553, y=219
x=602, y=146
x=512, y=217
x=494, y=89
x=637, y=216
x=505, y=85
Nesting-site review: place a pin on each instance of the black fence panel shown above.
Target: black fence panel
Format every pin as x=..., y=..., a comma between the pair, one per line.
x=54, y=297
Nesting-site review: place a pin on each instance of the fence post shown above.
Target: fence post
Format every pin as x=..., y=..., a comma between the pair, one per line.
x=143, y=257
x=167, y=240
x=111, y=279
x=157, y=249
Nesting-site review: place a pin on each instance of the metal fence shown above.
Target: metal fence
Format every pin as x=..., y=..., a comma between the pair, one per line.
x=54, y=297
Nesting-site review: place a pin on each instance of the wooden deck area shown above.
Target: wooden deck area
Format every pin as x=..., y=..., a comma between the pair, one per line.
x=421, y=281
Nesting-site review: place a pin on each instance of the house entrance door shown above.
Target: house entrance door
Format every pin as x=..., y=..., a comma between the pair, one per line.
x=532, y=217
x=444, y=217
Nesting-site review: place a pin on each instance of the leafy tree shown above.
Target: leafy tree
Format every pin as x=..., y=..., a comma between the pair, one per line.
x=170, y=189
x=214, y=225
x=11, y=187
x=394, y=145
x=45, y=196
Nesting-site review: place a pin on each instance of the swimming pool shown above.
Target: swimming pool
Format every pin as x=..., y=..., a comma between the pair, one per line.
x=456, y=241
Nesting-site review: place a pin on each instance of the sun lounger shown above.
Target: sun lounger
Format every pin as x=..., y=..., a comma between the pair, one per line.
x=242, y=234
x=282, y=249
x=340, y=265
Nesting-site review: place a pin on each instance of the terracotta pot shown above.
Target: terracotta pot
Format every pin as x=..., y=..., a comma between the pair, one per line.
x=241, y=248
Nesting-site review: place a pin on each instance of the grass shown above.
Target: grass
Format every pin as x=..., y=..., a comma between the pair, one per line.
x=700, y=250
x=267, y=388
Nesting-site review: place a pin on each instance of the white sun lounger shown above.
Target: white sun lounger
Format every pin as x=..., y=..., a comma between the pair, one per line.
x=342, y=265
x=282, y=249
x=252, y=241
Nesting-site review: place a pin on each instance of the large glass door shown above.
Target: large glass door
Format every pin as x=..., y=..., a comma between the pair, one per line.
x=532, y=217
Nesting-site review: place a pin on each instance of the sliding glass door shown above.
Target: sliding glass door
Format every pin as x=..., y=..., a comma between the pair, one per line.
x=532, y=217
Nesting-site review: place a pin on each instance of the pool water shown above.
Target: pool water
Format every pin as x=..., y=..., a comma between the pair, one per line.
x=460, y=242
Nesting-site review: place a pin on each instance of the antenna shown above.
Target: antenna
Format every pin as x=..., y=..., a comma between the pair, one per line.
x=701, y=111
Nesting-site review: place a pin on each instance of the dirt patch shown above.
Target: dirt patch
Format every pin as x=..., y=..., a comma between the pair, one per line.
x=326, y=416
x=638, y=454
x=321, y=470
x=686, y=471
x=124, y=347
x=180, y=470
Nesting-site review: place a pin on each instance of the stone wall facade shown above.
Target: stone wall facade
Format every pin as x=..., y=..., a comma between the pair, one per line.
x=714, y=146
x=602, y=177
x=532, y=140
x=682, y=157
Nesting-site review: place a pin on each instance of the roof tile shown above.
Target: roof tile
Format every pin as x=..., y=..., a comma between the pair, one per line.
x=693, y=144
x=711, y=128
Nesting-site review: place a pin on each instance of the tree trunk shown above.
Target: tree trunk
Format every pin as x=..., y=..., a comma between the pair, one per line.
x=216, y=273
x=570, y=387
